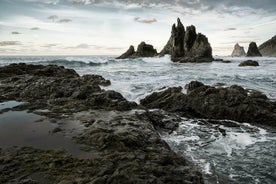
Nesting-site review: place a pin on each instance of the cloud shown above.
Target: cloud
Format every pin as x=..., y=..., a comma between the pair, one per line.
x=50, y=45
x=64, y=20
x=82, y=46
x=225, y=6
x=53, y=17
x=146, y=20
x=9, y=43
x=230, y=29
x=34, y=28
x=15, y=33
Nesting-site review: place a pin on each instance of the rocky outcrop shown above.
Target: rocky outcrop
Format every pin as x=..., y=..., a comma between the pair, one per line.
x=54, y=87
x=187, y=46
x=268, y=48
x=123, y=146
x=128, y=53
x=203, y=101
x=249, y=63
x=238, y=51
x=253, y=50
x=143, y=50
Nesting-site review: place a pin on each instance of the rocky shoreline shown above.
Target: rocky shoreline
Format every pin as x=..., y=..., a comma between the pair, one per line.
x=121, y=136
x=125, y=146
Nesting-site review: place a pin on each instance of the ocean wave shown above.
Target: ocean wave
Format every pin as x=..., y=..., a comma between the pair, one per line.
x=81, y=63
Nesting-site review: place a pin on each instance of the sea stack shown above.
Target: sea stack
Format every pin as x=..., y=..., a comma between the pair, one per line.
x=187, y=46
x=143, y=50
x=253, y=50
x=268, y=48
x=238, y=51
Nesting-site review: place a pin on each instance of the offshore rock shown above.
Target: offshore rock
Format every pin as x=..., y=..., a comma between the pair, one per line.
x=249, y=63
x=187, y=46
x=268, y=48
x=203, y=101
x=143, y=50
x=253, y=50
x=128, y=53
x=238, y=51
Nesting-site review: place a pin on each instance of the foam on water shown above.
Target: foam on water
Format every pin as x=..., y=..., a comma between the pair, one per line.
x=234, y=158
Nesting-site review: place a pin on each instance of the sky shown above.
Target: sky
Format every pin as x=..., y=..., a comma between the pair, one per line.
x=109, y=27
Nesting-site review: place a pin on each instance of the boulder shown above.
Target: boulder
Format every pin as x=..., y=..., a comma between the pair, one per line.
x=143, y=50
x=238, y=51
x=253, y=50
x=249, y=63
x=187, y=46
x=268, y=48
x=203, y=101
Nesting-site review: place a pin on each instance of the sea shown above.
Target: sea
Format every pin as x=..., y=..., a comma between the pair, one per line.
x=247, y=154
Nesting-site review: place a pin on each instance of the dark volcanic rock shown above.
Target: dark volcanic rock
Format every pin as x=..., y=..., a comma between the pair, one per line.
x=187, y=46
x=268, y=48
x=203, y=101
x=123, y=146
x=128, y=53
x=124, y=149
x=253, y=50
x=143, y=50
x=54, y=87
x=238, y=51
x=249, y=63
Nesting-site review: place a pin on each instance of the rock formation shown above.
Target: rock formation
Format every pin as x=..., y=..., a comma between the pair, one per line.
x=238, y=51
x=50, y=86
x=249, y=63
x=268, y=48
x=187, y=46
x=128, y=53
x=124, y=146
x=143, y=50
x=183, y=46
x=253, y=50
x=203, y=101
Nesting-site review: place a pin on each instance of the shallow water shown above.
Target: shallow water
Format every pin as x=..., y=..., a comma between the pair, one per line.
x=247, y=154
x=20, y=128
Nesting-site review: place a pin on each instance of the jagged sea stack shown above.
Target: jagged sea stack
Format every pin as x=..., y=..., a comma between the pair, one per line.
x=253, y=50
x=187, y=46
x=238, y=51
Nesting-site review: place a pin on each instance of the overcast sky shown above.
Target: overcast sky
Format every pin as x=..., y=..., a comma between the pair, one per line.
x=108, y=27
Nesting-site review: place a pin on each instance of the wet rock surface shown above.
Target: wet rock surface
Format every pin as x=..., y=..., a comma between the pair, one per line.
x=253, y=50
x=249, y=63
x=58, y=89
x=203, y=101
x=187, y=46
x=124, y=146
x=143, y=50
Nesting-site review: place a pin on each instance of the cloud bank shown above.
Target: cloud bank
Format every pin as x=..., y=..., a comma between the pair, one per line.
x=146, y=20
